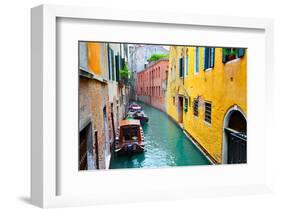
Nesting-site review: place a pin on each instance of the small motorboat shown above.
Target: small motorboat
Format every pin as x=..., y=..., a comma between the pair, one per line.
x=129, y=138
x=138, y=115
x=134, y=107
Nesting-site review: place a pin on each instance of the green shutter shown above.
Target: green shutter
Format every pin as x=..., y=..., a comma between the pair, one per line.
x=109, y=62
x=180, y=67
x=206, y=58
x=117, y=64
x=186, y=68
x=112, y=65
x=122, y=63
x=212, y=56
x=224, y=55
x=241, y=52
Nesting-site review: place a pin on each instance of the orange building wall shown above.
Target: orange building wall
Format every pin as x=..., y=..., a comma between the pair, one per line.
x=94, y=58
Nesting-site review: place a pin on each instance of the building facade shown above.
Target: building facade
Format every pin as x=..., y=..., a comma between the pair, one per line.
x=139, y=54
x=206, y=95
x=151, y=84
x=101, y=102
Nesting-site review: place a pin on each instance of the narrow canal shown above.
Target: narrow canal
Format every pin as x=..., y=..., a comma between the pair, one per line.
x=166, y=145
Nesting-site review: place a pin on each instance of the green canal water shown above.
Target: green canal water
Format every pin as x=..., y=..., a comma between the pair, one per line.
x=166, y=145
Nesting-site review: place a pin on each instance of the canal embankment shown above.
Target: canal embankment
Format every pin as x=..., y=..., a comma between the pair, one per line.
x=192, y=139
x=166, y=145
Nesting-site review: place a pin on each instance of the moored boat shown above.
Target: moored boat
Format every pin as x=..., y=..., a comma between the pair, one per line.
x=136, y=112
x=138, y=115
x=134, y=107
x=129, y=138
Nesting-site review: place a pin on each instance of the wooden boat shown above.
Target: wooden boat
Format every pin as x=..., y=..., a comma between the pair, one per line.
x=138, y=115
x=129, y=138
x=134, y=107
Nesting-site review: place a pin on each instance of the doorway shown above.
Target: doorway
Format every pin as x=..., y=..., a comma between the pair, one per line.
x=235, y=137
x=106, y=139
x=85, y=148
x=180, y=110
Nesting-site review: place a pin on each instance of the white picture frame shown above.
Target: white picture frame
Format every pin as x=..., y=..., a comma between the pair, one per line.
x=44, y=155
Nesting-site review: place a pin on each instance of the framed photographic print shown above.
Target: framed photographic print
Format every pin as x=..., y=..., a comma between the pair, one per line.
x=147, y=105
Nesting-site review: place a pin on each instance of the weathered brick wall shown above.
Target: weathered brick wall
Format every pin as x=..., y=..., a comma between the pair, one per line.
x=84, y=101
x=98, y=95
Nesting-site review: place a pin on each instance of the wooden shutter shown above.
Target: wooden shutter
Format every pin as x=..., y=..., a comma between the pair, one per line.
x=112, y=64
x=224, y=56
x=241, y=52
x=117, y=64
x=212, y=57
x=122, y=63
x=181, y=67
x=206, y=58
x=186, y=65
x=197, y=59
x=109, y=62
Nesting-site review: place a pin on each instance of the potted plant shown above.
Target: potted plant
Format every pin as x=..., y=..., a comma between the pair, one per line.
x=125, y=74
x=230, y=53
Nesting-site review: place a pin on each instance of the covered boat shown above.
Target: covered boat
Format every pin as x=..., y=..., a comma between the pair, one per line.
x=129, y=138
x=134, y=107
x=138, y=115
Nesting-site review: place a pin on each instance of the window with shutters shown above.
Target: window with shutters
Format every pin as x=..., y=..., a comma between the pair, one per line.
x=122, y=63
x=195, y=107
x=185, y=105
x=196, y=60
x=83, y=56
x=209, y=57
x=181, y=67
x=229, y=54
x=208, y=112
x=186, y=65
x=111, y=75
x=117, y=66
x=186, y=62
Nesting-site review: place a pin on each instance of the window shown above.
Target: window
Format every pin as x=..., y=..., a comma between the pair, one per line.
x=174, y=100
x=185, y=105
x=196, y=58
x=111, y=65
x=83, y=56
x=195, y=107
x=208, y=112
x=209, y=57
x=229, y=54
x=186, y=65
x=181, y=67
x=123, y=63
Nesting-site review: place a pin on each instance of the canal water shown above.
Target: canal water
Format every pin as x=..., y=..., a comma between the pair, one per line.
x=166, y=145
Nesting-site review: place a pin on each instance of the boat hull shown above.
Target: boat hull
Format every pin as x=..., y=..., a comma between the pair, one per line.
x=128, y=149
x=143, y=120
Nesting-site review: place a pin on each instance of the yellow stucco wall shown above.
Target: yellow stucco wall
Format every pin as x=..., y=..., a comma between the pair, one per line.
x=224, y=86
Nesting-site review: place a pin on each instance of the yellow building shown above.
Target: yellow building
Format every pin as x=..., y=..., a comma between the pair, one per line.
x=206, y=95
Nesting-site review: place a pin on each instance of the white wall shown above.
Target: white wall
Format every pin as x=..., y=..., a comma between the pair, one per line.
x=15, y=104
